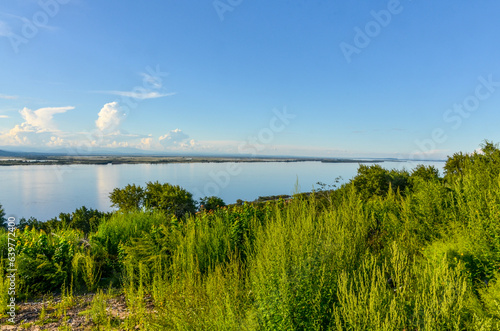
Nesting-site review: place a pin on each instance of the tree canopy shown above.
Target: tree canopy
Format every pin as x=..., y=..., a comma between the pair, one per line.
x=171, y=199
x=373, y=180
x=211, y=203
x=129, y=198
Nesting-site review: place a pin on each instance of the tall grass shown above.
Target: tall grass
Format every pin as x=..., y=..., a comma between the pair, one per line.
x=298, y=257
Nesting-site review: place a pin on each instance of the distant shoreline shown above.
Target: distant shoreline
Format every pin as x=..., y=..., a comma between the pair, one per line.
x=107, y=159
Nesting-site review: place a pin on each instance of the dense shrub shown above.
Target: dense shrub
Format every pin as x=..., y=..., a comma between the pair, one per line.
x=375, y=181
x=44, y=261
x=83, y=219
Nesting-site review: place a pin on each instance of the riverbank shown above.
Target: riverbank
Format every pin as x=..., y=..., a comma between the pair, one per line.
x=113, y=159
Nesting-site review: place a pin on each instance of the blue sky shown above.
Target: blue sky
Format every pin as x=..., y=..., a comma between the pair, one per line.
x=306, y=78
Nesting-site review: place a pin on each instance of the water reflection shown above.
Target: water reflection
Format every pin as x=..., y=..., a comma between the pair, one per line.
x=107, y=178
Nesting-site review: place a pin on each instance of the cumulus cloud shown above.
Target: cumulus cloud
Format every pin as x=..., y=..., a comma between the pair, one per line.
x=147, y=143
x=175, y=138
x=37, y=129
x=42, y=118
x=110, y=117
x=25, y=135
x=56, y=142
x=116, y=144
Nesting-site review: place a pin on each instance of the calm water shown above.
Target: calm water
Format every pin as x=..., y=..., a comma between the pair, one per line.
x=45, y=191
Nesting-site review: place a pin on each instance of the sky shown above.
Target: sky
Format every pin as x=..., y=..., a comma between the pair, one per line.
x=409, y=78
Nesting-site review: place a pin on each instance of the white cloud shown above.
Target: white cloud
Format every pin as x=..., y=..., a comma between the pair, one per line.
x=116, y=144
x=5, y=96
x=56, y=142
x=42, y=118
x=140, y=94
x=147, y=143
x=175, y=138
x=25, y=135
x=110, y=117
x=37, y=128
x=151, y=88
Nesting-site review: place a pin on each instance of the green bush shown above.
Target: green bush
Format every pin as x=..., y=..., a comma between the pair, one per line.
x=108, y=242
x=44, y=261
x=375, y=181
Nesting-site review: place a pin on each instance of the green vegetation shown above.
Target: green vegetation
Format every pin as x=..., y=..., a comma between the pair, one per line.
x=390, y=250
x=167, y=198
x=129, y=198
x=3, y=220
x=86, y=220
x=211, y=203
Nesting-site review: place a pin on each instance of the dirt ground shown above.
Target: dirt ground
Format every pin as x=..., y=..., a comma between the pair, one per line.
x=73, y=318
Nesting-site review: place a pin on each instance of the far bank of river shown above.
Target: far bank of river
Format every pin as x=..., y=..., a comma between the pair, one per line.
x=106, y=159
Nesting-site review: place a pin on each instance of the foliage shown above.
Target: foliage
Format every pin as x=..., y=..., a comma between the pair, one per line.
x=425, y=173
x=86, y=220
x=44, y=260
x=375, y=181
x=171, y=199
x=97, y=311
x=34, y=224
x=211, y=203
x=455, y=165
x=83, y=219
x=129, y=198
x=3, y=220
x=488, y=156
x=108, y=242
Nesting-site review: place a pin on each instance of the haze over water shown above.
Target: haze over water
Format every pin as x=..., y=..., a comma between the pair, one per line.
x=45, y=191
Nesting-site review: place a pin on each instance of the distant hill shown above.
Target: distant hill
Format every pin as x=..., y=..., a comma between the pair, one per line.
x=44, y=152
x=5, y=153
x=20, y=151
